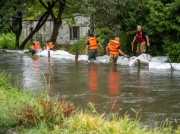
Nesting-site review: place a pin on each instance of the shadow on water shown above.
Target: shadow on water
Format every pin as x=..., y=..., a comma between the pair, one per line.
x=152, y=93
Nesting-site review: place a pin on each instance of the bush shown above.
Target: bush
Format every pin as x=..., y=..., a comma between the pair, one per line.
x=7, y=41
x=79, y=46
x=47, y=110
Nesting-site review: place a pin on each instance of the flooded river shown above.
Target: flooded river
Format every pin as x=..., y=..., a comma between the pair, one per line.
x=155, y=94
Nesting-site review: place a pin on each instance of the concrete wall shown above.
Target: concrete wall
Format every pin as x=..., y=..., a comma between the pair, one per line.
x=63, y=38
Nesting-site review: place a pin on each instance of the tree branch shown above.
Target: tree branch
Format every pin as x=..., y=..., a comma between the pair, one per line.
x=61, y=9
x=44, y=5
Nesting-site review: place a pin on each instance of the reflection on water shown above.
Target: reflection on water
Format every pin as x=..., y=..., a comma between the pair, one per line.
x=114, y=90
x=153, y=93
x=93, y=82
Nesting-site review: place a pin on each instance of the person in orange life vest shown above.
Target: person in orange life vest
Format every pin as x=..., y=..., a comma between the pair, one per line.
x=49, y=45
x=92, y=47
x=113, y=49
x=141, y=38
x=34, y=47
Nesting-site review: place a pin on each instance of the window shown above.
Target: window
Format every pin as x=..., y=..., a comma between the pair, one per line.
x=74, y=33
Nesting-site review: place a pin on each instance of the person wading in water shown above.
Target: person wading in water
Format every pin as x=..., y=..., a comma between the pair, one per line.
x=92, y=47
x=113, y=50
x=141, y=38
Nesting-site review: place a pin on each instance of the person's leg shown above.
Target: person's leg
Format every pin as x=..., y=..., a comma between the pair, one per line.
x=95, y=54
x=115, y=60
x=91, y=55
x=143, y=47
x=138, y=49
x=111, y=59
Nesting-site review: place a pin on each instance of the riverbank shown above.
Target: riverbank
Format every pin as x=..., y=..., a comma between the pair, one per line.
x=26, y=112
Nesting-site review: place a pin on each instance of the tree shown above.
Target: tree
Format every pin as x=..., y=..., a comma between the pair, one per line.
x=57, y=19
x=11, y=16
x=164, y=19
x=40, y=23
x=63, y=8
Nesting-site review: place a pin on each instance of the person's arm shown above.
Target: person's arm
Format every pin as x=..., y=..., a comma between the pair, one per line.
x=86, y=48
x=119, y=50
x=133, y=40
x=147, y=39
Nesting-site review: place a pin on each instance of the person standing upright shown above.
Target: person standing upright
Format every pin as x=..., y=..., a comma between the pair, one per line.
x=141, y=38
x=113, y=49
x=92, y=47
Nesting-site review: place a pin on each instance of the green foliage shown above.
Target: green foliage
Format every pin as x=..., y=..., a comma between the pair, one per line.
x=28, y=114
x=26, y=110
x=159, y=19
x=79, y=46
x=164, y=20
x=104, y=35
x=7, y=41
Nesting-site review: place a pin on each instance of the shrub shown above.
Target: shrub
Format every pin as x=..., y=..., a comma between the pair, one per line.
x=79, y=46
x=7, y=41
x=46, y=110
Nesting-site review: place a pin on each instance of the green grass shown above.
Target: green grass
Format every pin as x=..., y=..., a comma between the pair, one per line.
x=28, y=113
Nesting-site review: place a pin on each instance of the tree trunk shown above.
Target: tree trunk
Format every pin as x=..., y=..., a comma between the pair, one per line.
x=41, y=22
x=17, y=41
x=19, y=30
x=55, y=31
x=57, y=20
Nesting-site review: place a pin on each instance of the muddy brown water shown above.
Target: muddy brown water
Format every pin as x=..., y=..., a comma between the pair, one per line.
x=154, y=94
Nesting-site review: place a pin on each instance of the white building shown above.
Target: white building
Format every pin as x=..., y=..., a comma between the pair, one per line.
x=67, y=34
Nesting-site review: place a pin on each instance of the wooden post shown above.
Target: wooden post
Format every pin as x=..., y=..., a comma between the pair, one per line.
x=139, y=64
x=49, y=54
x=76, y=56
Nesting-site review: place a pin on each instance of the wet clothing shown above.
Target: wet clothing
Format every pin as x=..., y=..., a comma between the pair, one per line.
x=141, y=48
x=141, y=42
x=93, y=48
x=92, y=54
x=113, y=59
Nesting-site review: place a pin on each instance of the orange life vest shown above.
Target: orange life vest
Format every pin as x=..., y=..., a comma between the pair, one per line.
x=92, y=43
x=36, y=45
x=113, y=47
x=49, y=44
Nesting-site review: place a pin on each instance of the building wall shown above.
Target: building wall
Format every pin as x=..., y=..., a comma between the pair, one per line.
x=63, y=38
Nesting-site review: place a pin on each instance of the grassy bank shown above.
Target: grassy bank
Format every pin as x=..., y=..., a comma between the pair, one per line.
x=28, y=113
